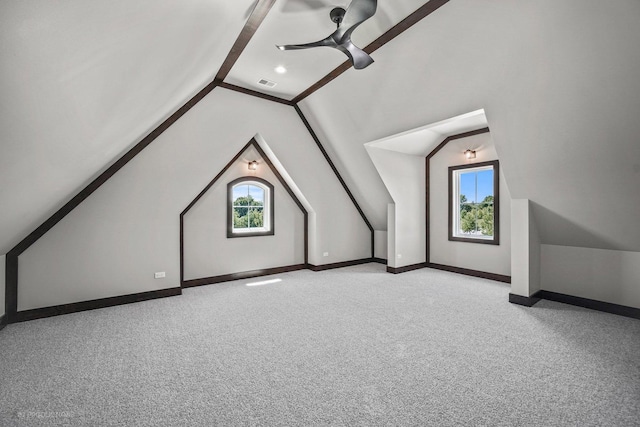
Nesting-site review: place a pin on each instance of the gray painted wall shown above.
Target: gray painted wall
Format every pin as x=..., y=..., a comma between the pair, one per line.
x=207, y=250
x=489, y=258
x=116, y=239
x=603, y=275
x=403, y=176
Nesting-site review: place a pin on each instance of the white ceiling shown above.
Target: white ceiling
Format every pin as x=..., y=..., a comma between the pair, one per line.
x=298, y=21
x=421, y=141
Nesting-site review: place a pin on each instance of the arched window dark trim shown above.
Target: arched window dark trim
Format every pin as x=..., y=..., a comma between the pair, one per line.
x=268, y=207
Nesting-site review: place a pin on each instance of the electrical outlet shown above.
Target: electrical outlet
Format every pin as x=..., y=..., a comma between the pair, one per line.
x=325, y=254
x=399, y=255
x=160, y=275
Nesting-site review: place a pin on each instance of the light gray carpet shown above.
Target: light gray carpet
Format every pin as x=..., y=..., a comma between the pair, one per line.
x=353, y=346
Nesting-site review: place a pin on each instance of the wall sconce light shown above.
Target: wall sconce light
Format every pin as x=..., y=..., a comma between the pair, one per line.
x=253, y=165
x=470, y=154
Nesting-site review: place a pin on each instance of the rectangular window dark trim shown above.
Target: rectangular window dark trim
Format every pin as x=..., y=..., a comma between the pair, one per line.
x=496, y=203
x=271, y=196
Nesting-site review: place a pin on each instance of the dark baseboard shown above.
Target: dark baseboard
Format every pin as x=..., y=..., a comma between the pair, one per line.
x=39, y=313
x=397, y=270
x=242, y=275
x=339, y=264
x=607, y=307
x=526, y=301
x=379, y=260
x=474, y=273
x=3, y=321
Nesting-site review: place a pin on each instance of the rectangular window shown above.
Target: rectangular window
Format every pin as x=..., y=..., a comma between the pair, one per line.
x=474, y=203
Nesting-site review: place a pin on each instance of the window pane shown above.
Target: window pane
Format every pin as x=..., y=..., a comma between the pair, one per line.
x=468, y=187
x=468, y=223
x=485, y=220
x=240, y=191
x=240, y=217
x=256, y=217
x=257, y=194
x=485, y=186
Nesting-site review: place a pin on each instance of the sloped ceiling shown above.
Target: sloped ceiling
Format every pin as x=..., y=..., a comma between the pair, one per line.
x=82, y=82
x=558, y=83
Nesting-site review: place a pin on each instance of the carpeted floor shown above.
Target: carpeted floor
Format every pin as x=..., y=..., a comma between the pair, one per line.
x=353, y=346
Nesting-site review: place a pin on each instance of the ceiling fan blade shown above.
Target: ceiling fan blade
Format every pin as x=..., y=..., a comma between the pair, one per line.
x=328, y=42
x=359, y=57
x=358, y=12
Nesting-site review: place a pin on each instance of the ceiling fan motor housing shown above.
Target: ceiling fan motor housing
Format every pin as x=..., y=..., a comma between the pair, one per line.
x=337, y=14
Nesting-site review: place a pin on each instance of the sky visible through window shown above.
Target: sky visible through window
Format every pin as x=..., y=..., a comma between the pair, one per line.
x=243, y=190
x=468, y=185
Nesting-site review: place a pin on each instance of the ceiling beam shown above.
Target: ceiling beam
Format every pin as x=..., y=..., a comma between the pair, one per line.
x=256, y=94
x=250, y=28
x=422, y=12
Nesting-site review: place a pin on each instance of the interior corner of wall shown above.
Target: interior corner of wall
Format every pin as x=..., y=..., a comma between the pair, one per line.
x=380, y=240
x=314, y=252
x=391, y=235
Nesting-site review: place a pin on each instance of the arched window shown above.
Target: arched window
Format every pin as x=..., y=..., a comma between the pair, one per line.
x=249, y=207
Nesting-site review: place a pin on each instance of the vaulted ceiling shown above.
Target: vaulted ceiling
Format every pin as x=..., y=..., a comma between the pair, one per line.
x=83, y=82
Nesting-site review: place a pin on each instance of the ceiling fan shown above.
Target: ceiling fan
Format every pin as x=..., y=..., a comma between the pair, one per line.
x=347, y=21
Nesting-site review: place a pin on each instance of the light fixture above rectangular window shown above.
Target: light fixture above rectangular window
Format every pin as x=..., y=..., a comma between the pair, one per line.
x=470, y=154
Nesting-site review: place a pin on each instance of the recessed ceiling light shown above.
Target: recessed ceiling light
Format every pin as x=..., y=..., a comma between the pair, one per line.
x=280, y=69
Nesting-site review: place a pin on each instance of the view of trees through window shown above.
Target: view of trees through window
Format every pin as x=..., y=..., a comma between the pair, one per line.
x=476, y=203
x=248, y=206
